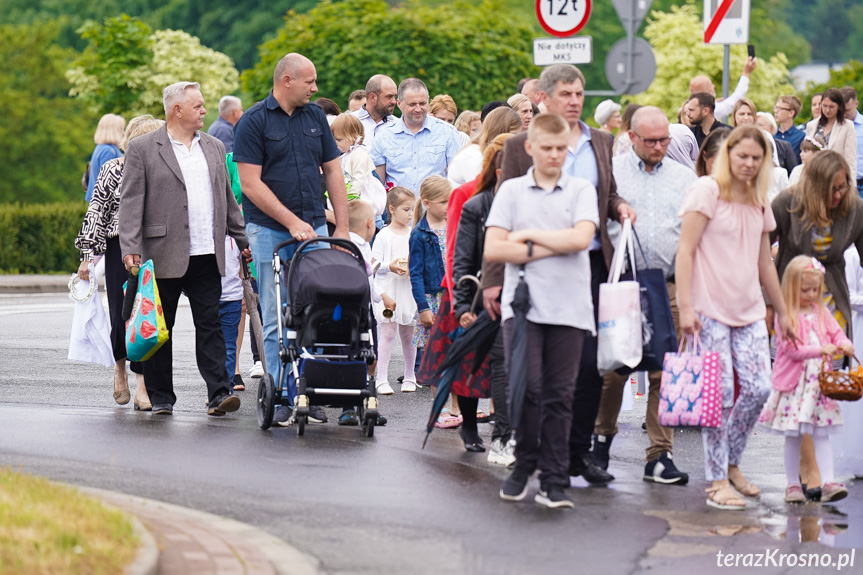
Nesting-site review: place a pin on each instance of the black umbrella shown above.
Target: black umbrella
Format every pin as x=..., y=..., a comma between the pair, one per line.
x=251, y=299
x=478, y=337
x=518, y=349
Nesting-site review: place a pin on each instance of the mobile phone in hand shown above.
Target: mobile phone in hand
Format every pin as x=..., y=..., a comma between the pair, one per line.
x=751, y=49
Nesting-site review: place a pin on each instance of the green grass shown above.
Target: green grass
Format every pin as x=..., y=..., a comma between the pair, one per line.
x=53, y=529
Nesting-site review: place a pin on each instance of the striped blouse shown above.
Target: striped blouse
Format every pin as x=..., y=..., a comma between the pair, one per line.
x=101, y=221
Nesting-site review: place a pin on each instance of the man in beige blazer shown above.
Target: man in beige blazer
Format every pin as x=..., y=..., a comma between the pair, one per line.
x=176, y=207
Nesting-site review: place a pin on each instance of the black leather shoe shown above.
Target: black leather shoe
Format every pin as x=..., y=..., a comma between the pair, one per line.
x=163, y=409
x=472, y=443
x=223, y=403
x=583, y=465
x=600, y=450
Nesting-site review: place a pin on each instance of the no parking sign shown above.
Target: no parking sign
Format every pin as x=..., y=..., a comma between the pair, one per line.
x=563, y=18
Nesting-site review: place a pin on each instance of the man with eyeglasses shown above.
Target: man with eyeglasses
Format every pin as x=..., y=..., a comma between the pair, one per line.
x=785, y=110
x=655, y=186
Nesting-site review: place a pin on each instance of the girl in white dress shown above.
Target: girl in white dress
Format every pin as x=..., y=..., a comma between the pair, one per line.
x=395, y=313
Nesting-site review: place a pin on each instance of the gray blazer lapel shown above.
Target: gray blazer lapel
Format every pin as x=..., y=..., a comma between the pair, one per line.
x=797, y=234
x=168, y=155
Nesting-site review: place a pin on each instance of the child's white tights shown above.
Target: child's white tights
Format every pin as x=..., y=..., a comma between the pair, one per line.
x=386, y=339
x=823, y=457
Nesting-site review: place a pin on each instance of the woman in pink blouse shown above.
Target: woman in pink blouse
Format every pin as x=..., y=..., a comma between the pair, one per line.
x=723, y=259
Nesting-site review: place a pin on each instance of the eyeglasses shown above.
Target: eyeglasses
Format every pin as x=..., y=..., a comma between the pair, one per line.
x=652, y=142
x=840, y=189
x=781, y=108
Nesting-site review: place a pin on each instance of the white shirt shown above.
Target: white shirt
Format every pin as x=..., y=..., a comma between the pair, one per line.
x=723, y=108
x=465, y=167
x=232, y=283
x=370, y=127
x=199, y=191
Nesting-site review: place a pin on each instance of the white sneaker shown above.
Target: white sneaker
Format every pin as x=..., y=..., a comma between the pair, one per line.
x=384, y=389
x=501, y=454
x=257, y=370
x=408, y=385
x=509, y=449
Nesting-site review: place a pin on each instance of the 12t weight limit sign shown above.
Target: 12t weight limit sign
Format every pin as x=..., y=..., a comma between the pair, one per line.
x=563, y=18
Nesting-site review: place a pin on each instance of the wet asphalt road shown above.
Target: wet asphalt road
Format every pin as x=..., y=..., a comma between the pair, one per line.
x=382, y=505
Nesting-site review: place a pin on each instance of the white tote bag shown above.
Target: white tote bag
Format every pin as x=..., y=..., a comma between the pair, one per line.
x=619, y=340
x=90, y=340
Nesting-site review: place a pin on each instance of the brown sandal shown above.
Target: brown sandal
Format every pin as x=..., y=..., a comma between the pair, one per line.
x=724, y=498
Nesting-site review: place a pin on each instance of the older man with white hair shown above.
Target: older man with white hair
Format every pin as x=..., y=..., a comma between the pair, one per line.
x=230, y=112
x=176, y=206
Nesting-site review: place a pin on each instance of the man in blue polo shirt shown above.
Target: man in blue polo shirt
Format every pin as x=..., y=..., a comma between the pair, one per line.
x=417, y=145
x=280, y=145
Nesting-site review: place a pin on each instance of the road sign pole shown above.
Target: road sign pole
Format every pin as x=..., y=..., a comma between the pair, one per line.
x=726, y=69
x=630, y=39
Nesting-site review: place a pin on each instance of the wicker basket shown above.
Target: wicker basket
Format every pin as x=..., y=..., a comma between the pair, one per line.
x=839, y=385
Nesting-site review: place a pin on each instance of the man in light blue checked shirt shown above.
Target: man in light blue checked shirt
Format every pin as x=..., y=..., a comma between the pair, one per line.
x=417, y=145
x=654, y=187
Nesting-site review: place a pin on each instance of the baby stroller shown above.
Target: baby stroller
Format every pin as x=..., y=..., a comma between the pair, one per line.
x=325, y=339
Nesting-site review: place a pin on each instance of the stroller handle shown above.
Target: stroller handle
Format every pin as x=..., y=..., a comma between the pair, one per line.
x=347, y=245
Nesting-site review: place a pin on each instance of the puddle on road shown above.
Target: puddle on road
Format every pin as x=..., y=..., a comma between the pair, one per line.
x=823, y=524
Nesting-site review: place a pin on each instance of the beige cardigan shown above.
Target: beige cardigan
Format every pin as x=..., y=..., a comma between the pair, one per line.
x=843, y=139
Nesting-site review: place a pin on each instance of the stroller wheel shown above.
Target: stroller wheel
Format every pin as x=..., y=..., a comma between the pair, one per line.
x=301, y=422
x=266, y=405
x=369, y=426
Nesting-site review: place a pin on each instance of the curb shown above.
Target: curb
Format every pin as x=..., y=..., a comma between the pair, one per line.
x=284, y=558
x=147, y=559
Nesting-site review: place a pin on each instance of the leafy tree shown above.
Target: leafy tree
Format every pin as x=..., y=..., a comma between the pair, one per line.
x=125, y=67
x=473, y=53
x=110, y=74
x=45, y=136
x=676, y=38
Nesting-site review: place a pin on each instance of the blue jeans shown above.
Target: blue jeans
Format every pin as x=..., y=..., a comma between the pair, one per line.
x=263, y=241
x=229, y=315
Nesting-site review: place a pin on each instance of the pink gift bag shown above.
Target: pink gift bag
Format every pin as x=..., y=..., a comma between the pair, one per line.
x=690, y=393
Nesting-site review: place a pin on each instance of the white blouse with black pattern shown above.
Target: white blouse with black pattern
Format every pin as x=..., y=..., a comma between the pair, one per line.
x=101, y=221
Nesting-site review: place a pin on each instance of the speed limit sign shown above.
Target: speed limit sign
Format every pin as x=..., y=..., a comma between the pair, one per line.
x=563, y=18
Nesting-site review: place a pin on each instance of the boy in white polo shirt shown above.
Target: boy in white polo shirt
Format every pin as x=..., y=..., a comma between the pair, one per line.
x=545, y=220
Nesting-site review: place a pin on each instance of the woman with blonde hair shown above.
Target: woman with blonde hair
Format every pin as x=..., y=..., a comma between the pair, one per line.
x=469, y=123
x=522, y=104
x=99, y=236
x=109, y=134
x=466, y=165
x=726, y=225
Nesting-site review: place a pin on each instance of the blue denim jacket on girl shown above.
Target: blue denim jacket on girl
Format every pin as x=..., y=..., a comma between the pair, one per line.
x=425, y=263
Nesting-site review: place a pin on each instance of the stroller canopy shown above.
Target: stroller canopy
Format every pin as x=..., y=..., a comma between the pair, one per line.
x=327, y=276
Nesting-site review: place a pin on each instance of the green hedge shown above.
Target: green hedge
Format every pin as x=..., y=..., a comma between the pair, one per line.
x=40, y=238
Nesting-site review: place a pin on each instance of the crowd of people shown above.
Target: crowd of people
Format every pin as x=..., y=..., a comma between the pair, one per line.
x=522, y=193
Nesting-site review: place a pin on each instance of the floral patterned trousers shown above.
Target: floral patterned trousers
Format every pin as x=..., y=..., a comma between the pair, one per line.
x=746, y=350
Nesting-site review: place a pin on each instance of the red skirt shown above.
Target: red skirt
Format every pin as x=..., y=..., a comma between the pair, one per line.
x=439, y=343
